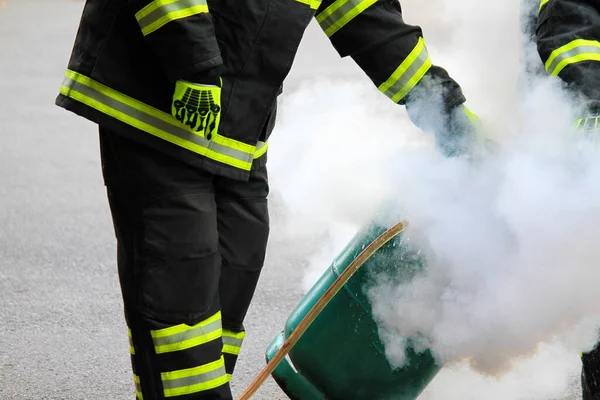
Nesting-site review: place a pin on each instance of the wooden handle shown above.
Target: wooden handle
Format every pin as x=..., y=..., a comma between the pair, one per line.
x=320, y=305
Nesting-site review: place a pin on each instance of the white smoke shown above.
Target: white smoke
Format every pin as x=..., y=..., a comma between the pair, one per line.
x=511, y=284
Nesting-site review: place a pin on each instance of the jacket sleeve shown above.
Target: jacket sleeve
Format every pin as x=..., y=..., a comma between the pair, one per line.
x=392, y=53
x=182, y=34
x=568, y=42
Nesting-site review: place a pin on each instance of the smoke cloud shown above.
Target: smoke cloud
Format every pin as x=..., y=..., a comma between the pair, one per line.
x=509, y=297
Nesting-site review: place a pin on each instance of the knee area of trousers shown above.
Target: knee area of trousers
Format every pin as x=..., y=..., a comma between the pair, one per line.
x=180, y=290
x=180, y=260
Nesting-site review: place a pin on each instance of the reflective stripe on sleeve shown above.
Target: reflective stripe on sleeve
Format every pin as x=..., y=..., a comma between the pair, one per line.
x=574, y=52
x=408, y=74
x=338, y=14
x=160, y=12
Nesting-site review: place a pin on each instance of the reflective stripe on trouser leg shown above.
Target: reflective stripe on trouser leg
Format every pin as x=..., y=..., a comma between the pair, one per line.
x=145, y=382
x=183, y=362
x=138, y=387
x=190, y=358
x=136, y=378
x=232, y=344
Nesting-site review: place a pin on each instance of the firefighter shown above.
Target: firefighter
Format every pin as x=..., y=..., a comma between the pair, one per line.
x=184, y=93
x=567, y=35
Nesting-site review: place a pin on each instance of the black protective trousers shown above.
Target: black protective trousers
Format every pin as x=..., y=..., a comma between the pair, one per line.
x=190, y=249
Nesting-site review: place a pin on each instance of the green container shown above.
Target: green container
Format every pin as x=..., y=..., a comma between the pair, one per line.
x=340, y=356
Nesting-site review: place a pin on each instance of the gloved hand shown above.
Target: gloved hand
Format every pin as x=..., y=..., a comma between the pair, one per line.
x=197, y=107
x=588, y=126
x=458, y=132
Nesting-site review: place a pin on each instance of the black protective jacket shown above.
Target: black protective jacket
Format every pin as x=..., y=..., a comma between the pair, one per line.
x=568, y=41
x=129, y=53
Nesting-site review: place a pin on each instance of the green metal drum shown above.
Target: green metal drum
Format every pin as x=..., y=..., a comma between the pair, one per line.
x=340, y=356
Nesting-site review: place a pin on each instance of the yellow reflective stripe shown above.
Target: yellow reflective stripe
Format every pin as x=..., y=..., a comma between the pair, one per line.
x=183, y=336
x=160, y=12
x=150, y=8
x=408, y=74
x=314, y=4
x=576, y=51
x=138, y=387
x=229, y=377
x=338, y=14
x=542, y=3
x=155, y=122
x=261, y=148
x=131, y=348
x=193, y=380
x=234, y=350
x=232, y=341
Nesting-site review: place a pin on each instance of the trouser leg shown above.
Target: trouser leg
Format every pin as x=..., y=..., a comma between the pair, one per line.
x=243, y=223
x=590, y=375
x=165, y=219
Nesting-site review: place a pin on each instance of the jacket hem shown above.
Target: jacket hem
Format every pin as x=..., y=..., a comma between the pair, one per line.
x=146, y=139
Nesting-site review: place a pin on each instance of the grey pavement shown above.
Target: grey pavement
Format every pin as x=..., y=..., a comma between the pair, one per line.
x=62, y=335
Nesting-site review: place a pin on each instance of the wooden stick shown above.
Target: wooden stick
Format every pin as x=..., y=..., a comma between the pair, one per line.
x=320, y=305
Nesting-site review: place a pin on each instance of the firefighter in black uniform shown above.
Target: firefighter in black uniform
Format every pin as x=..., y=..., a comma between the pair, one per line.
x=567, y=34
x=184, y=93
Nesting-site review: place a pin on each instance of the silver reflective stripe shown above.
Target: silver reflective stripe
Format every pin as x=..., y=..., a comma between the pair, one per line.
x=260, y=145
x=332, y=22
x=189, y=334
x=231, y=341
x=156, y=122
x=404, y=79
x=553, y=69
x=162, y=12
x=194, y=379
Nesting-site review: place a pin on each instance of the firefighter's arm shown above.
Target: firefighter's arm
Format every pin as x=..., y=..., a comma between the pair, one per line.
x=568, y=42
x=182, y=35
x=394, y=56
x=392, y=53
